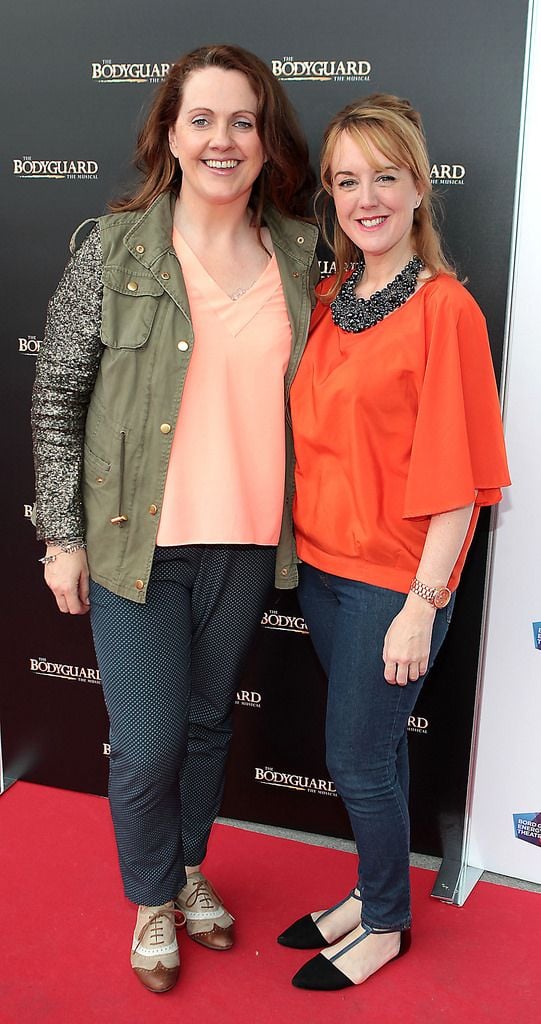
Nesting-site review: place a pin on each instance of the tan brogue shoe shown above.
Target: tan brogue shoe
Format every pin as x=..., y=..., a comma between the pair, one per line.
x=207, y=920
x=154, y=955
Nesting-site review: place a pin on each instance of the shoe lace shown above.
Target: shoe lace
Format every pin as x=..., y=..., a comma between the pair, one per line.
x=155, y=926
x=203, y=893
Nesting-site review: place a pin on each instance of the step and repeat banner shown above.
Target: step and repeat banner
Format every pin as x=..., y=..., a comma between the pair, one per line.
x=78, y=79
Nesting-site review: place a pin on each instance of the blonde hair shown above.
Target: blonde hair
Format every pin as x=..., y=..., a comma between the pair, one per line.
x=392, y=126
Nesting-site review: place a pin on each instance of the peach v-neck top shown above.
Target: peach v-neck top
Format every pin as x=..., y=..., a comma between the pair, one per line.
x=225, y=480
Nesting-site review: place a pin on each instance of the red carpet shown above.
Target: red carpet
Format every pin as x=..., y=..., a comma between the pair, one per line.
x=66, y=933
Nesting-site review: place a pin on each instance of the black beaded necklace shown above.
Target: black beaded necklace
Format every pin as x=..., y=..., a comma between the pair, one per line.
x=354, y=315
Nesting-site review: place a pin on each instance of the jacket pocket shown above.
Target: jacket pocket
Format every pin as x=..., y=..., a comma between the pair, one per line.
x=94, y=465
x=130, y=303
x=100, y=486
x=103, y=494
x=104, y=485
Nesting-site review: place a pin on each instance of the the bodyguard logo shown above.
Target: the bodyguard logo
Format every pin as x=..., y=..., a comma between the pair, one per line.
x=75, y=170
x=287, y=623
x=528, y=827
x=55, y=670
x=134, y=74
x=299, y=783
x=288, y=69
x=29, y=346
x=416, y=723
x=447, y=174
x=537, y=635
x=327, y=267
x=248, y=699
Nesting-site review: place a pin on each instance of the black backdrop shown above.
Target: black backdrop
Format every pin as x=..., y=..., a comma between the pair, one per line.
x=78, y=79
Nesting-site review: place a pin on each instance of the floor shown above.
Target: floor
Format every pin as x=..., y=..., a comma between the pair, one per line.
x=417, y=860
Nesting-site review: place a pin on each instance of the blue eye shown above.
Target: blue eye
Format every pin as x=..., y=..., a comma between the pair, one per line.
x=200, y=122
x=243, y=123
x=347, y=183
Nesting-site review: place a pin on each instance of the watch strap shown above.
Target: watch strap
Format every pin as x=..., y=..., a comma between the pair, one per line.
x=430, y=594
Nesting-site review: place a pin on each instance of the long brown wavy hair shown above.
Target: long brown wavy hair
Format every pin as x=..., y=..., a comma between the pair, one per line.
x=286, y=180
x=391, y=125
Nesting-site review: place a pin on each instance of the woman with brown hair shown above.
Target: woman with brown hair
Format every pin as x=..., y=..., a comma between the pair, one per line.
x=398, y=441
x=163, y=467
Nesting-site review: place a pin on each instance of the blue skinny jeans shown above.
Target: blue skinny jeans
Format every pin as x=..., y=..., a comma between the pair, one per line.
x=366, y=731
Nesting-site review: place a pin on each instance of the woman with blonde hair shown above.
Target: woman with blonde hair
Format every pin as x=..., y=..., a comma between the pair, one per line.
x=164, y=465
x=398, y=442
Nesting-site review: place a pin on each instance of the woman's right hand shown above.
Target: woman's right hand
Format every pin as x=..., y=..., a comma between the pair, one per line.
x=68, y=578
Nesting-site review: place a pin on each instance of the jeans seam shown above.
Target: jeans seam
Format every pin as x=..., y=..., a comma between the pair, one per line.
x=382, y=929
x=355, y=599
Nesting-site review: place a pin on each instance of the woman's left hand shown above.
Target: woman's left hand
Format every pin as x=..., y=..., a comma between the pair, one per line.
x=406, y=648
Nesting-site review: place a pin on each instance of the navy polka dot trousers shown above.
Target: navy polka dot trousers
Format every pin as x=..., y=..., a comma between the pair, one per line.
x=169, y=670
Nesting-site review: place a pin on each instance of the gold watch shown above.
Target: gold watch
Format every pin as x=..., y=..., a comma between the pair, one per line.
x=437, y=596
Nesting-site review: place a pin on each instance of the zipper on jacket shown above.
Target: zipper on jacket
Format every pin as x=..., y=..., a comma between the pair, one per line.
x=121, y=518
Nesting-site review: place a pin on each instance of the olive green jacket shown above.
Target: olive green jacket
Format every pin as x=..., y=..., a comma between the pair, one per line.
x=109, y=383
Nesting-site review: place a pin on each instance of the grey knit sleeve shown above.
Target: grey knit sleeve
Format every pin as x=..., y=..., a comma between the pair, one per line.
x=67, y=367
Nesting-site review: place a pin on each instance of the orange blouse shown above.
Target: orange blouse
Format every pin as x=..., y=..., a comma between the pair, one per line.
x=393, y=425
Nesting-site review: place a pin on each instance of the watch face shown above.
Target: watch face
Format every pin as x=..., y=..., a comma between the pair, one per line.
x=442, y=597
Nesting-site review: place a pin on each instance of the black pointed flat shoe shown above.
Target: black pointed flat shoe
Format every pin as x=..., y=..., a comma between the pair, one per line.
x=305, y=934
x=321, y=974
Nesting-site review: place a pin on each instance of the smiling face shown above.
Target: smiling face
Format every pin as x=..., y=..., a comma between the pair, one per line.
x=374, y=200
x=215, y=137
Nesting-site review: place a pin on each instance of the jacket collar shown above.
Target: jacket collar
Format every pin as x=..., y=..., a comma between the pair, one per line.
x=150, y=237
x=296, y=238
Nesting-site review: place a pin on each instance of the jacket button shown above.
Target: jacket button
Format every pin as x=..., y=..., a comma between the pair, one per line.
x=99, y=479
x=165, y=428
x=132, y=286
x=183, y=346
x=153, y=509
x=284, y=572
x=139, y=585
x=165, y=275
x=300, y=240
x=294, y=274
x=140, y=249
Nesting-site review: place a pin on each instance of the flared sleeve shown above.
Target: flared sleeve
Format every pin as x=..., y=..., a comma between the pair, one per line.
x=458, y=452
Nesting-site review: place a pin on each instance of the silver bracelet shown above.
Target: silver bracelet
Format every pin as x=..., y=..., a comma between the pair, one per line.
x=65, y=549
